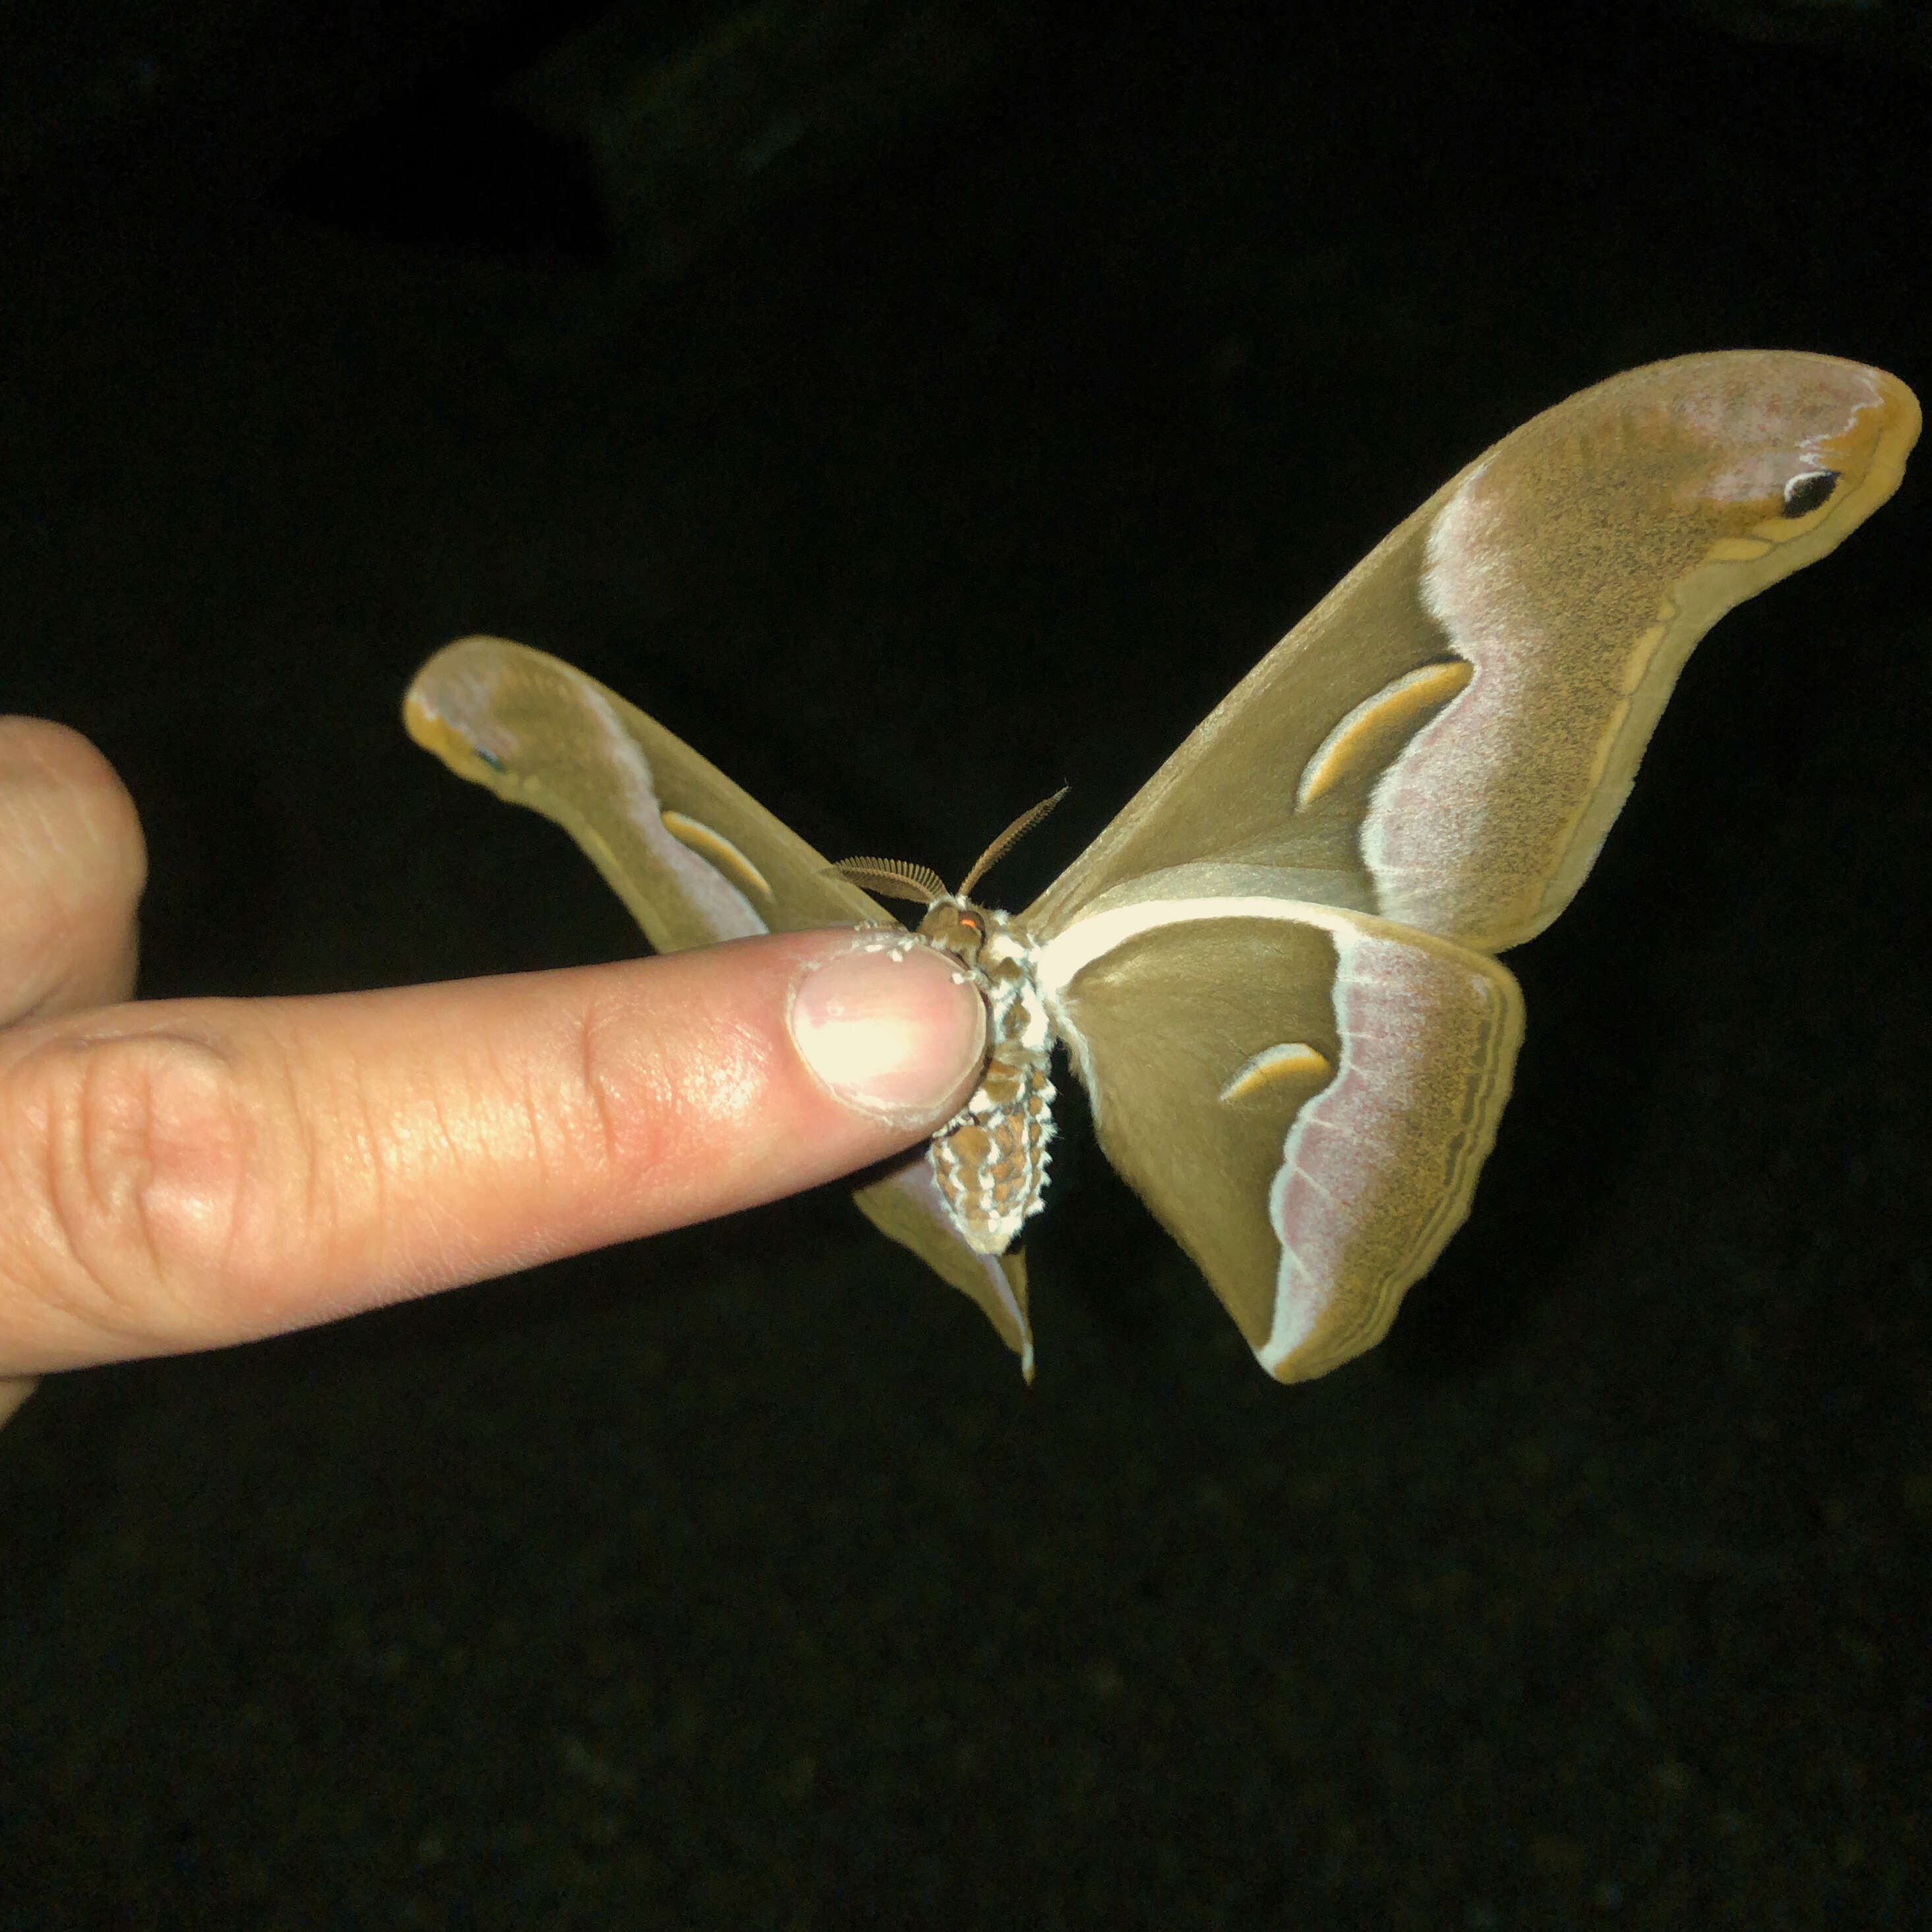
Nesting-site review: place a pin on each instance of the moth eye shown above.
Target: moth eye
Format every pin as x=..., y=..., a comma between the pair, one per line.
x=973, y=924
x=1804, y=494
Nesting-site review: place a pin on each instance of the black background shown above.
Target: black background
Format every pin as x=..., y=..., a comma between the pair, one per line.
x=734, y=1578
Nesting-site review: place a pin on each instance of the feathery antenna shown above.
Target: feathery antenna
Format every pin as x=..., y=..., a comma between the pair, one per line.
x=891, y=880
x=1008, y=839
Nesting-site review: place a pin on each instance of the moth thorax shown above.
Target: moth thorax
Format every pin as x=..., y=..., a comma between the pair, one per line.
x=990, y=1160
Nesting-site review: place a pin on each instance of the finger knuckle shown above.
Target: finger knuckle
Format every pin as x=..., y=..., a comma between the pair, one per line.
x=634, y=1121
x=144, y=1155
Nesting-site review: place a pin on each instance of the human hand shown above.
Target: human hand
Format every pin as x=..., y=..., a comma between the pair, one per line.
x=183, y=1174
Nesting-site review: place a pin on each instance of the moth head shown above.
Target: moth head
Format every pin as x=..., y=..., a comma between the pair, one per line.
x=955, y=923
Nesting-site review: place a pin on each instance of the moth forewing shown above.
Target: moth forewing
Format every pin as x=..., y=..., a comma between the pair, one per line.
x=695, y=857
x=1572, y=568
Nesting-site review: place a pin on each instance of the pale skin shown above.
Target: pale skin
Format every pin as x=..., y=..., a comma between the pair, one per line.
x=185, y=1175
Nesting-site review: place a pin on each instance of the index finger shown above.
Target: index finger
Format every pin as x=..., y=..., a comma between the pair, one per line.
x=179, y=1175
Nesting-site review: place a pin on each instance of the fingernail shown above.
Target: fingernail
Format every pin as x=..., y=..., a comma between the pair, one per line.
x=891, y=1026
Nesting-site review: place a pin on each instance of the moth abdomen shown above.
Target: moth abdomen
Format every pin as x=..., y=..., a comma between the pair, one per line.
x=990, y=1161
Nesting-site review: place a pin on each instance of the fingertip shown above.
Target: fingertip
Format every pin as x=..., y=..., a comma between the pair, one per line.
x=892, y=1028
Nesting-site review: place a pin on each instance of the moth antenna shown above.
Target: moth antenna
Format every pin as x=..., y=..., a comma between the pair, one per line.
x=891, y=880
x=1008, y=839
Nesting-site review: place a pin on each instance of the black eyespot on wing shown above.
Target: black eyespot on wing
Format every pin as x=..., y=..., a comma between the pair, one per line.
x=1804, y=494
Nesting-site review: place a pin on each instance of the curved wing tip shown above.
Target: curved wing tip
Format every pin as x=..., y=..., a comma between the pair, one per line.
x=1305, y=1365
x=425, y=724
x=1901, y=419
x=420, y=709
x=1016, y=1331
x=1291, y=1369
x=1314, y=1353
x=1900, y=436
x=1901, y=392
x=456, y=659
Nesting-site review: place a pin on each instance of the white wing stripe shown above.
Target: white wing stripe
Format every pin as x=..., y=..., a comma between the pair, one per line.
x=1068, y=953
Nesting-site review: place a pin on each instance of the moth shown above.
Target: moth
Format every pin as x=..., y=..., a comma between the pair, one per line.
x=1274, y=972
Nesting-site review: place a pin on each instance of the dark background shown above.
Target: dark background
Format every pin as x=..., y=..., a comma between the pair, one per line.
x=932, y=404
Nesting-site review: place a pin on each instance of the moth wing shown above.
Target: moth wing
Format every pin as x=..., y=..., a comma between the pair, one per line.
x=905, y=1204
x=1445, y=740
x=1303, y=1097
x=695, y=858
